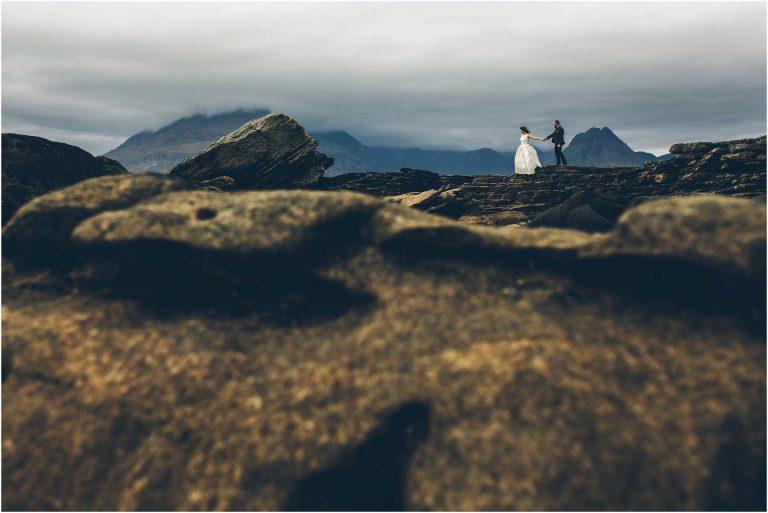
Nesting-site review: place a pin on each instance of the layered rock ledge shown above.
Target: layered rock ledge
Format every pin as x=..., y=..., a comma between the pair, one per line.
x=733, y=168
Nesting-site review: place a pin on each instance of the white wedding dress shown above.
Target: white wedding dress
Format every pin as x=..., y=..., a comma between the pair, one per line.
x=526, y=158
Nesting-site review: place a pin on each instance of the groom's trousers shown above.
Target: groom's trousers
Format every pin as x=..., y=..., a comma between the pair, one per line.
x=559, y=154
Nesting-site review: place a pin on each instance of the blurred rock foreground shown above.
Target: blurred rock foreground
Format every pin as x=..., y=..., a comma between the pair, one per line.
x=168, y=346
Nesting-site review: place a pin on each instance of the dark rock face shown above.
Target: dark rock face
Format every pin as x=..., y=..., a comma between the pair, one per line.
x=317, y=350
x=267, y=153
x=374, y=474
x=584, y=211
x=33, y=166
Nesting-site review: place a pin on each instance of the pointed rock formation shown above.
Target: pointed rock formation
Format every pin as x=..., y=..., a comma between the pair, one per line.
x=272, y=152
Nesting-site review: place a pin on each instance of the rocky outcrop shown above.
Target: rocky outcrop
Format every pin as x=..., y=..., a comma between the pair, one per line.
x=318, y=350
x=728, y=157
x=443, y=201
x=267, y=153
x=33, y=166
x=159, y=151
x=697, y=168
x=391, y=184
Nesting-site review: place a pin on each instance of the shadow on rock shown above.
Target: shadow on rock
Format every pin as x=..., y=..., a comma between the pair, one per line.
x=169, y=279
x=674, y=282
x=372, y=476
x=737, y=482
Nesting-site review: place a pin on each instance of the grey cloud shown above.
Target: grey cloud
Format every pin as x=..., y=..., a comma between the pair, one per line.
x=434, y=75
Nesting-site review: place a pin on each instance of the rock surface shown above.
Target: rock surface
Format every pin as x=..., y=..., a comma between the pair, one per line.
x=728, y=157
x=267, y=153
x=271, y=350
x=443, y=201
x=504, y=218
x=33, y=166
x=47, y=221
x=710, y=231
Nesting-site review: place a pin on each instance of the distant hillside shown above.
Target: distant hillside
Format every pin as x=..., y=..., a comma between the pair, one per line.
x=352, y=156
x=159, y=151
x=155, y=152
x=349, y=154
x=482, y=161
x=602, y=148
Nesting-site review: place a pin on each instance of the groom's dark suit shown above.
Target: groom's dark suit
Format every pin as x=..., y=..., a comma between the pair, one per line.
x=558, y=138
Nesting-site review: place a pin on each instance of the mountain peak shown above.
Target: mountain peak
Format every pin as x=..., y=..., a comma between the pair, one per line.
x=336, y=137
x=601, y=147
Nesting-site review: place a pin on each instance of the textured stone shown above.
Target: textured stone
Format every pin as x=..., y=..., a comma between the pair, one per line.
x=413, y=199
x=48, y=220
x=267, y=153
x=726, y=234
x=504, y=218
x=741, y=157
x=691, y=148
x=243, y=222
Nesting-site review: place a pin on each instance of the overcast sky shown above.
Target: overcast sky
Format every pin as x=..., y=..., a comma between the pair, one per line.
x=434, y=75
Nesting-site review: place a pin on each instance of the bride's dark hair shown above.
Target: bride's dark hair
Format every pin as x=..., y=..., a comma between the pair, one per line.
x=525, y=130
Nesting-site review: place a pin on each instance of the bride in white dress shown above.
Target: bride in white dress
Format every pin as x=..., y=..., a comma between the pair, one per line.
x=526, y=158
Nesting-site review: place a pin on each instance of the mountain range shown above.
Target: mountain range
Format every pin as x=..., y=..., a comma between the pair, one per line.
x=353, y=156
x=156, y=152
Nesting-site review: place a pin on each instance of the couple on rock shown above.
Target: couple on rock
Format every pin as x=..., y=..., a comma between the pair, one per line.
x=526, y=158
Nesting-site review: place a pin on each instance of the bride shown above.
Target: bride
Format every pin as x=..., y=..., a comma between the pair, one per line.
x=526, y=158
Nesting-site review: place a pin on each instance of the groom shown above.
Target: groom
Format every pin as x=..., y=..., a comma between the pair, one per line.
x=558, y=137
